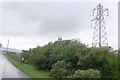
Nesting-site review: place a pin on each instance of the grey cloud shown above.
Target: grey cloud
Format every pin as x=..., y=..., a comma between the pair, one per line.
x=39, y=19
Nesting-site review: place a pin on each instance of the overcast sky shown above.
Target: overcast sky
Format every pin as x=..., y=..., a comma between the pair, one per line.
x=28, y=24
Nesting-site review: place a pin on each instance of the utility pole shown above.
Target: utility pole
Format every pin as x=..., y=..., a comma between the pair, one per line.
x=100, y=35
x=0, y=47
x=7, y=45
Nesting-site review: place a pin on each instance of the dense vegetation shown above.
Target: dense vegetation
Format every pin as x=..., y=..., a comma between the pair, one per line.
x=73, y=59
x=28, y=69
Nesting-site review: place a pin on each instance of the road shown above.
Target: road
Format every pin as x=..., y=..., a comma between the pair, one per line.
x=8, y=70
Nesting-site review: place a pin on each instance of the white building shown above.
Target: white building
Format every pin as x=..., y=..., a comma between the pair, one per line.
x=4, y=49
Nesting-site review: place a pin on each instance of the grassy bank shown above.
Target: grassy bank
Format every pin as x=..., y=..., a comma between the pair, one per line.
x=29, y=69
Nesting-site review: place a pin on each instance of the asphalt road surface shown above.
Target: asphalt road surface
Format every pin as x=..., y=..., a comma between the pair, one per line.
x=8, y=70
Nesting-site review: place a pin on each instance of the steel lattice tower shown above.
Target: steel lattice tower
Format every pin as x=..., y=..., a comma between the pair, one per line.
x=99, y=36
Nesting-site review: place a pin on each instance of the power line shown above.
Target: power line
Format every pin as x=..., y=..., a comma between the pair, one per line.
x=78, y=11
x=44, y=19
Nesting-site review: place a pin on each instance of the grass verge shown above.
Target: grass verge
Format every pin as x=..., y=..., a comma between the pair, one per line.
x=29, y=69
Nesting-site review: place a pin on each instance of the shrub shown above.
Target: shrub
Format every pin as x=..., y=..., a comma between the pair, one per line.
x=90, y=73
x=59, y=69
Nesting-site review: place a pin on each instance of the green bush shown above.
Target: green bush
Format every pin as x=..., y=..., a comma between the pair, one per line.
x=60, y=69
x=90, y=73
x=101, y=59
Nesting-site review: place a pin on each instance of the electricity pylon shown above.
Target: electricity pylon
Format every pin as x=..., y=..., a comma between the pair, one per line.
x=100, y=35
